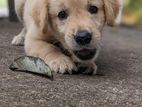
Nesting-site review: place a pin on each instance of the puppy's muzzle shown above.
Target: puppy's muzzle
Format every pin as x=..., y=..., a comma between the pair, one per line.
x=83, y=37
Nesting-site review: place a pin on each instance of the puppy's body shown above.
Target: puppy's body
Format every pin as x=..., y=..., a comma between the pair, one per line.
x=76, y=24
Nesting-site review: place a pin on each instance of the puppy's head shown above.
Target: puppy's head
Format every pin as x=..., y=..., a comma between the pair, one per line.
x=78, y=24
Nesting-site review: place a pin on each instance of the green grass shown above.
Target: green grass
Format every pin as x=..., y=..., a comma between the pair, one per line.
x=3, y=3
x=135, y=8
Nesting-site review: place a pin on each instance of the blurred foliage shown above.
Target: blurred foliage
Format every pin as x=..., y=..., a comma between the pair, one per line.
x=132, y=12
x=3, y=3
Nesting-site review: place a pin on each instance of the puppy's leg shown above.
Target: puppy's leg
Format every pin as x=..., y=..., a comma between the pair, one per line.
x=94, y=68
x=91, y=69
x=52, y=56
x=17, y=40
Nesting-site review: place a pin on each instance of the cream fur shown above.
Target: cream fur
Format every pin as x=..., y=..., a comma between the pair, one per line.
x=42, y=29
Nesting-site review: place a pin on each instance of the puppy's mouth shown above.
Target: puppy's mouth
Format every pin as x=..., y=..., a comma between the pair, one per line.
x=85, y=54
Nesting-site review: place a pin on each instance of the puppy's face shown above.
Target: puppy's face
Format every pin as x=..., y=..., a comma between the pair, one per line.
x=78, y=24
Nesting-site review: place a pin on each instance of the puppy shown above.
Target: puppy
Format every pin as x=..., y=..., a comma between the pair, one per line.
x=76, y=24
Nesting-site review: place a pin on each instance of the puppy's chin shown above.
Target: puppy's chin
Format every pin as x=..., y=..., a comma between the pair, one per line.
x=85, y=54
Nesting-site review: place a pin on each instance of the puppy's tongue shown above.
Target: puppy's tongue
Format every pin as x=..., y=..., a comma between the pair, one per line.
x=84, y=52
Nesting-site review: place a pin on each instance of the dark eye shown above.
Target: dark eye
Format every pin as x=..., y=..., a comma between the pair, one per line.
x=93, y=9
x=62, y=15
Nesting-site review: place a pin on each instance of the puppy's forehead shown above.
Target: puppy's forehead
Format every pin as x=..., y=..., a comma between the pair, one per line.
x=68, y=2
x=58, y=4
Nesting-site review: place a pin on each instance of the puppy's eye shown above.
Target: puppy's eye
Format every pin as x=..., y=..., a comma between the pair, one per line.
x=62, y=15
x=93, y=9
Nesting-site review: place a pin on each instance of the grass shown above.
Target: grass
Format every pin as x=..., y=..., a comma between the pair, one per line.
x=135, y=11
x=3, y=3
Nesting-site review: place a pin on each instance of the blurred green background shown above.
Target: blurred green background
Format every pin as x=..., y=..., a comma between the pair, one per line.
x=3, y=3
x=132, y=14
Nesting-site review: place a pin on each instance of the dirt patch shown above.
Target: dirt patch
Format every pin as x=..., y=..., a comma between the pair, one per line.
x=120, y=61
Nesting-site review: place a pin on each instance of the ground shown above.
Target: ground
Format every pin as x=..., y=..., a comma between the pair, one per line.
x=120, y=62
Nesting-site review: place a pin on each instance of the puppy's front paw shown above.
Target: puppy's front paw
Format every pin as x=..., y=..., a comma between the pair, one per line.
x=61, y=64
x=92, y=69
x=17, y=40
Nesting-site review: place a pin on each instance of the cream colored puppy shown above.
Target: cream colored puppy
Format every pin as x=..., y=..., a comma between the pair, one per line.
x=76, y=24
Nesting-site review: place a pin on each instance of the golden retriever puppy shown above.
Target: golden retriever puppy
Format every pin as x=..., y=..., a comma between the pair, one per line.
x=76, y=24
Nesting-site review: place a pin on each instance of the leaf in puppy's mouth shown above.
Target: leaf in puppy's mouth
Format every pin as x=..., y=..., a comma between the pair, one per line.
x=31, y=65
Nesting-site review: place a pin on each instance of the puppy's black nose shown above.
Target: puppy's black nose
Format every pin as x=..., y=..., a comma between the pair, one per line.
x=83, y=37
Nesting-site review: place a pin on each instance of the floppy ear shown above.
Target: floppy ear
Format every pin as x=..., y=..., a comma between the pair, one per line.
x=40, y=15
x=113, y=10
